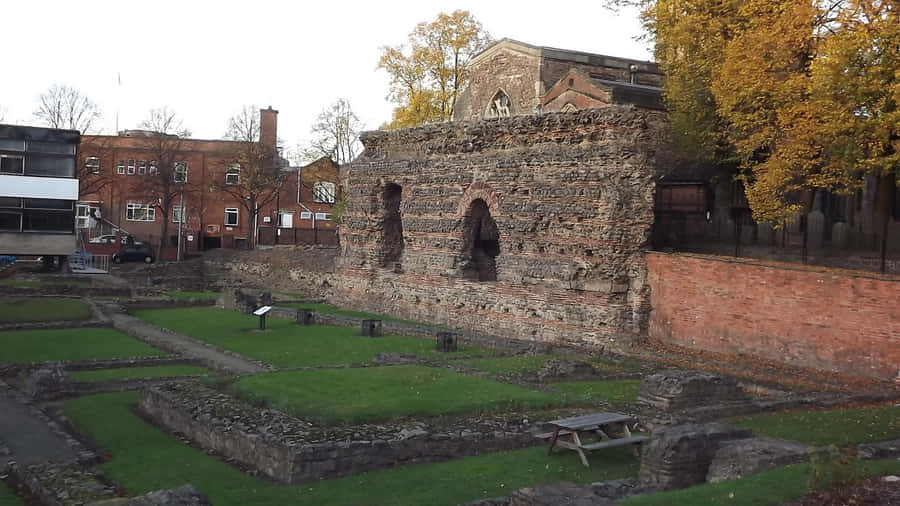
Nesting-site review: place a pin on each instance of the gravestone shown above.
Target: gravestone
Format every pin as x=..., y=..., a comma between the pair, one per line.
x=447, y=341
x=680, y=456
x=305, y=317
x=815, y=230
x=676, y=389
x=840, y=235
x=371, y=328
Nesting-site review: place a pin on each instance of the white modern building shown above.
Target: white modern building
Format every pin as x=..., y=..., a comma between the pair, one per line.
x=38, y=190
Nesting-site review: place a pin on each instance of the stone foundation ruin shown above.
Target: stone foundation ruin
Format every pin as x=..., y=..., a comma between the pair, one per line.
x=529, y=227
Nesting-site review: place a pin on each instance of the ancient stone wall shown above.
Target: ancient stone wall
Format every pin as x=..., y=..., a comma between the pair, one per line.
x=809, y=317
x=516, y=73
x=569, y=205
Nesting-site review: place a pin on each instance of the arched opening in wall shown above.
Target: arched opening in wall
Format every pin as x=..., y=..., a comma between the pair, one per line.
x=482, y=243
x=569, y=107
x=391, y=226
x=500, y=106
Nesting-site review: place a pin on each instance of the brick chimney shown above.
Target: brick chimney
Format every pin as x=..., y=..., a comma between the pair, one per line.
x=268, y=127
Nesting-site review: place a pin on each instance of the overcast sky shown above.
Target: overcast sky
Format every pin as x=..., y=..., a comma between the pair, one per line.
x=207, y=59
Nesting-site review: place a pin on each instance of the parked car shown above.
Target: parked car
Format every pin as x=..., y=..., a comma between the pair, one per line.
x=137, y=252
x=106, y=239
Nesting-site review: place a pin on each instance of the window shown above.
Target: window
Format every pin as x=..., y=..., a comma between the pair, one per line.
x=500, y=106
x=56, y=148
x=92, y=165
x=233, y=174
x=140, y=212
x=231, y=217
x=305, y=215
x=142, y=167
x=130, y=167
x=49, y=165
x=323, y=216
x=323, y=192
x=153, y=169
x=286, y=219
x=179, y=172
x=120, y=167
x=83, y=215
x=177, y=213
x=10, y=221
x=12, y=144
x=52, y=204
x=12, y=164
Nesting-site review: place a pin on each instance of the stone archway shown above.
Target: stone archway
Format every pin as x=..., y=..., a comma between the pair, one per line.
x=481, y=243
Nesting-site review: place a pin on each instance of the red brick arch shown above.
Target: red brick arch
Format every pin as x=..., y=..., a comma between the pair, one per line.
x=479, y=191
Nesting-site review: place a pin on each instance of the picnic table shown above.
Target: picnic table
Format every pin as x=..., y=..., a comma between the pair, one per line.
x=611, y=427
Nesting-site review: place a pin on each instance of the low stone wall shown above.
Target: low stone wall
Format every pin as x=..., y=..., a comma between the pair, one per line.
x=817, y=318
x=91, y=365
x=291, y=450
x=61, y=484
x=75, y=291
x=134, y=305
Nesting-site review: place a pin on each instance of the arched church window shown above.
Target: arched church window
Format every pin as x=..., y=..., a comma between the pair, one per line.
x=569, y=107
x=500, y=106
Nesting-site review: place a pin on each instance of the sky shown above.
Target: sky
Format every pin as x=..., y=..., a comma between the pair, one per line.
x=206, y=59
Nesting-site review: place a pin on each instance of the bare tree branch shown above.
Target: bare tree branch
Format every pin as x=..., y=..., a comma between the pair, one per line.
x=62, y=106
x=336, y=134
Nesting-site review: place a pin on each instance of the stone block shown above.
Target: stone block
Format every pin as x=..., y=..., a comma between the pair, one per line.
x=185, y=495
x=371, y=328
x=447, y=341
x=680, y=456
x=565, y=369
x=305, y=317
x=745, y=457
x=840, y=235
x=675, y=389
x=815, y=229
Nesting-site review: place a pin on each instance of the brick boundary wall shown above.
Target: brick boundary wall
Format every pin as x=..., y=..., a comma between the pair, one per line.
x=810, y=317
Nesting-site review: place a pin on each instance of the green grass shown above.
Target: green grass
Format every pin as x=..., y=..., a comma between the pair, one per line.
x=186, y=294
x=22, y=346
x=128, y=373
x=41, y=309
x=7, y=497
x=370, y=394
x=286, y=344
x=329, y=309
x=587, y=391
x=508, y=365
x=777, y=486
x=840, y=426
x=144, y=459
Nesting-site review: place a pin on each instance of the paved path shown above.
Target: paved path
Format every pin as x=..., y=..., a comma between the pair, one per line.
x=28, y=438
x=177, y=343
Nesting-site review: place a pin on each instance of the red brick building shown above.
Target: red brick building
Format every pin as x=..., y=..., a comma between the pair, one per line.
x=117, y=196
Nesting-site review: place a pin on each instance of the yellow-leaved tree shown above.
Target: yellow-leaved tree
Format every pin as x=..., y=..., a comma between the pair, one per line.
x=428, y=75
x=803, y=94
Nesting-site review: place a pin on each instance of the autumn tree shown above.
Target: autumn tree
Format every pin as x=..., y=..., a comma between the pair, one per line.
x=253, y=176
x=428, y=75
x=335, y=134
x=63, y=106
x=163, y=139
x=801, y=94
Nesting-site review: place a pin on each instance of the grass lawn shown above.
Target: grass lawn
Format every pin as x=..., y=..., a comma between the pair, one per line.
x=145, y=459
x=777, y=486
x=840, y=426
x=587, y=391
x=42, y=309
x=21, y=346
x=184, y=294
x=507, y=365
x=7, y=497
x=329, y=309
x=127, y=373
x=379, y=393
x=286, y=344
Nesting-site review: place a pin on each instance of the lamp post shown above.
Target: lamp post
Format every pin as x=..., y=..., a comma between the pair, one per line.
x=180, y=224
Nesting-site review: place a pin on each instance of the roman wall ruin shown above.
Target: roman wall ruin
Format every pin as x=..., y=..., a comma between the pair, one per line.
x=527, y=227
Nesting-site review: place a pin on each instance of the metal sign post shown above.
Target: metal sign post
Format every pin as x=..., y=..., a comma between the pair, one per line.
x=261, y=312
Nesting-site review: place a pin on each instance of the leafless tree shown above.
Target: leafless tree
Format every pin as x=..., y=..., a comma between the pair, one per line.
x=62, y=106
x=163, y=139
x=93, y=176
x=335, y=134
x=255, y=176
x=2, y=113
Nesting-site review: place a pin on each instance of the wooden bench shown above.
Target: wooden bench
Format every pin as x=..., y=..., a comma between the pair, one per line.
x=600, y=424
